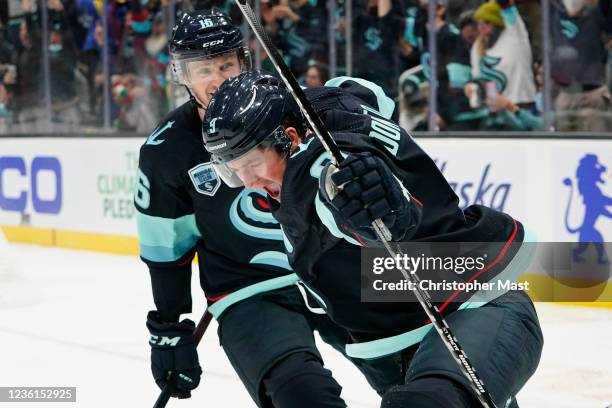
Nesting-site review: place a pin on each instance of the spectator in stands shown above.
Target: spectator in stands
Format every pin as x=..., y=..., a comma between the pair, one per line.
x=312, y=26
x=91, y=50
x=90, y=54
x=282, y=24
x=408, y=45
x=131, y=97
x=156, y=64
x=453, y=69
x=316, y=75
x=8, y=79
x=139, y=23
x=502, y=114
x=502, y=52
x=29, y=92
x=376, y=32
x=578, y=65
x=468, y=27
x=13, y=14
x=62, y=65
x=413, y=96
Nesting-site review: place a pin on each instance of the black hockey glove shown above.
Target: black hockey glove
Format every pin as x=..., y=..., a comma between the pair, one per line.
x=174, y=351
x=364, y=189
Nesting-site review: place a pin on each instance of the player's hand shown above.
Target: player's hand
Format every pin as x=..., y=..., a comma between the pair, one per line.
x=174, y=356
x=363, y=189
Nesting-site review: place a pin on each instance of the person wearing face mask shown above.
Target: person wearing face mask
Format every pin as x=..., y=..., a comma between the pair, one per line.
x=28, y=94
x=578, y=64
x=183, y=208
x=62, y=63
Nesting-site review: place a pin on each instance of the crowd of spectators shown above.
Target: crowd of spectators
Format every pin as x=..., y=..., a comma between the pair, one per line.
x=136, y=73
x=489, y=59
x=490, y=66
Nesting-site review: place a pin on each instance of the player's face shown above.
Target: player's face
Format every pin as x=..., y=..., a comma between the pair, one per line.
x=261, y=169
x=205, y=76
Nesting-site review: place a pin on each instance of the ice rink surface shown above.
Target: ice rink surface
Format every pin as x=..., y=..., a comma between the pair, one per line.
x=76, y=318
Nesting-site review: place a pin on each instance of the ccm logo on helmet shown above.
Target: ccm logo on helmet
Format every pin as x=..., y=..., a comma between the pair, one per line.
x=211, y=43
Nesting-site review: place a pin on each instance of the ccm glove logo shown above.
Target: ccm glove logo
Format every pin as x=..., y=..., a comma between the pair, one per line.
x=164, y=341
x=174, y=351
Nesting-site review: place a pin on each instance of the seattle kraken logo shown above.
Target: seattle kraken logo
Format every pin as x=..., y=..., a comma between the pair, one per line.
x=569, y=28
x=488, y=71
x=205, y=179
x=589, y=176
x=373, y=39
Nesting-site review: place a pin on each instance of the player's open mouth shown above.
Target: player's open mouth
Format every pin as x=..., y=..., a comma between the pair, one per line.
x=273, y=191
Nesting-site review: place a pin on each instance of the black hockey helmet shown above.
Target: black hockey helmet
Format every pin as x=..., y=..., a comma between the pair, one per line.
x=246, y=112
x=202, y=35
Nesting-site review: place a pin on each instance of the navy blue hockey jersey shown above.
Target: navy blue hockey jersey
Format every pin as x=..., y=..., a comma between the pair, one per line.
x=326, y=256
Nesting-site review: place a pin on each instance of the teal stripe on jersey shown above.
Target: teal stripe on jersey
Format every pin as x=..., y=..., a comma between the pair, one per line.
x=324, y=213
x=389, y=345
x=386, y=105
x=327, y=218
x=273, y=258
x=217, y=308
x=166, y=239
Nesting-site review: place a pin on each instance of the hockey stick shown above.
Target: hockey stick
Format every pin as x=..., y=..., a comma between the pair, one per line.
x=382, y=231
x=166, y=393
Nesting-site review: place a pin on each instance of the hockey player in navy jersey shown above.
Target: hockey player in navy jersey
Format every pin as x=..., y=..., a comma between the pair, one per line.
x=257, y=137
x=183, y=209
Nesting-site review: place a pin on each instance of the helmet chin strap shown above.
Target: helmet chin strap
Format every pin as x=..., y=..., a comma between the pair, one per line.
x=193, y=99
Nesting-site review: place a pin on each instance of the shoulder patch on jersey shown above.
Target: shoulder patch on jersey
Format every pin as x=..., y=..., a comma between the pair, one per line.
x=205, y=179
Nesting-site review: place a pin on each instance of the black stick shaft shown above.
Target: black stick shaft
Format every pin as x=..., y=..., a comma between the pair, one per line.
x=166, y=393
x=382, y=231
x=313, y=119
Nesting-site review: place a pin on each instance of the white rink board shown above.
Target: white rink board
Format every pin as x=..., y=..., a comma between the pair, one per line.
x=97, y=183
x=534, y=171
x=520, y=176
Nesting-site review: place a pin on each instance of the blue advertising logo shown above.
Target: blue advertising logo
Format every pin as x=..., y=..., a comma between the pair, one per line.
x=482, y=190
x=18, y=202
x=589, y=176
